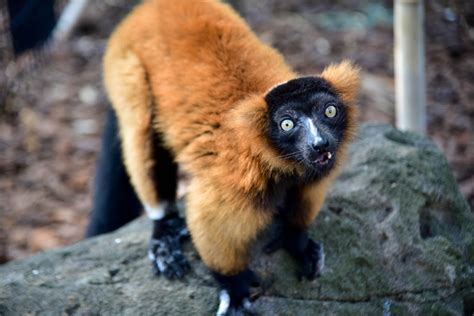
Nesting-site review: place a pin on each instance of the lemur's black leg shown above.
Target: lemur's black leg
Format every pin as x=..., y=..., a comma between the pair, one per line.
x=295, y=240
x=309, y=253
x=165, y=244
x=115, y=202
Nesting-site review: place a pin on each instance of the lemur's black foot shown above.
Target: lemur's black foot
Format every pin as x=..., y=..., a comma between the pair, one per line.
x=312, y=261
x=165, y=250
x=306, y=251
x=235, y=295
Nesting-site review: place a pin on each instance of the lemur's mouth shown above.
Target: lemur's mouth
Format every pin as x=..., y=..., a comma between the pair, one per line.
x=323, y=158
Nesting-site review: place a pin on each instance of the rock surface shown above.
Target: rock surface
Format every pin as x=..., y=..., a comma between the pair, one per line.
x=398, y=236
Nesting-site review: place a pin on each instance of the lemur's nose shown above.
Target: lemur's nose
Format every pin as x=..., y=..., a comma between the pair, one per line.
x=320, y=145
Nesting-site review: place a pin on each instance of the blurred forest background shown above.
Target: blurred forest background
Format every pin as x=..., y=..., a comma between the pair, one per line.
x=52, y=105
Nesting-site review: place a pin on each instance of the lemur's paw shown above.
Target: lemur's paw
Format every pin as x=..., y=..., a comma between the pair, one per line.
x=235, y=296
x=176, y=226
x=165, y=250
x=312, y=261
x=306, y=251
x=167, y=257
x=228, y=307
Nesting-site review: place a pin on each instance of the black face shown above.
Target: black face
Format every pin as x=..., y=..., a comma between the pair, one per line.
x=307, y=122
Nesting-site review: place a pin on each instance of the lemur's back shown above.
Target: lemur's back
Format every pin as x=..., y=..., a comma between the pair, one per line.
x=200, y=58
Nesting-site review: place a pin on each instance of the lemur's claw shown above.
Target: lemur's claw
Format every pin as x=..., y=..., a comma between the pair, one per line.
x=312, y=261
x=167, y=257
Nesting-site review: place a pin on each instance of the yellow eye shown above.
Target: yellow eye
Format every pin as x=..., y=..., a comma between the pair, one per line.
x=330, y=111
x=287, y=125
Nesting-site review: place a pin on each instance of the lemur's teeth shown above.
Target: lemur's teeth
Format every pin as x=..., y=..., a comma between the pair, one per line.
x=329, y=155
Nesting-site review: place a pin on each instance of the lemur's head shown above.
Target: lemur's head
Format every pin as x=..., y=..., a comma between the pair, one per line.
x=311, y=117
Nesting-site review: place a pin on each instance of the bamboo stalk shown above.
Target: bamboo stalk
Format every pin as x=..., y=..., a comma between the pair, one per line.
x=410, y=82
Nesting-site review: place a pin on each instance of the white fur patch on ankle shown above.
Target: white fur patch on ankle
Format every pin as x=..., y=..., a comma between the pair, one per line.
x=224, y=303
x=156, y=212
x=322, y=258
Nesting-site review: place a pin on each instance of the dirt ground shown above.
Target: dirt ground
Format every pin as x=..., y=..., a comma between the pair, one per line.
x=52, y=109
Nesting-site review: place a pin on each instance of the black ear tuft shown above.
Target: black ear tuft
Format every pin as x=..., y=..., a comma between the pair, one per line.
x=296, y=88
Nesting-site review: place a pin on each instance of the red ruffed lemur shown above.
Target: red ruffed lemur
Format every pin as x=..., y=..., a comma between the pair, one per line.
x=191, y=85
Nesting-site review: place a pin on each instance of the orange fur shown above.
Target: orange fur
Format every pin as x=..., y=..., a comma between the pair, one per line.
x=196, y=67
x=130, y=94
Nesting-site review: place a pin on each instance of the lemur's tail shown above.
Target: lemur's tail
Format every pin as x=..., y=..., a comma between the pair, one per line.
x=115, y=202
